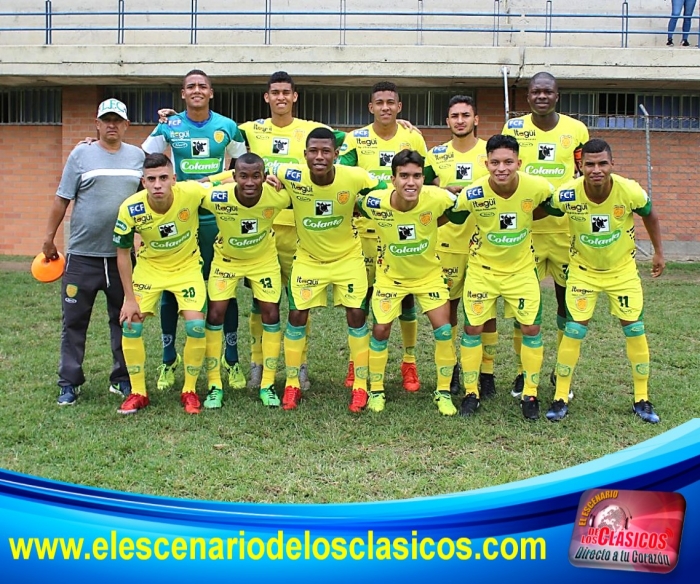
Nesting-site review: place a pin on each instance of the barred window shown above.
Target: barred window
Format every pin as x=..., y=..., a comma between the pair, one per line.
x=35, y=106
x=143, y=103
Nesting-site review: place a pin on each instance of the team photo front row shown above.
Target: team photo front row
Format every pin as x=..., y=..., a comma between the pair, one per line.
x=405, y=214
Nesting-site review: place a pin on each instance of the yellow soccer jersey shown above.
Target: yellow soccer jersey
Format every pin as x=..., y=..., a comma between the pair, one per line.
x=502, y=240
x=549, y=155
x=602, y=235
x=407, y=240
x=245, y=233
x=454, y=168
x=168, y=241
x=365, y=149
x=323, y=214
x=277, y=145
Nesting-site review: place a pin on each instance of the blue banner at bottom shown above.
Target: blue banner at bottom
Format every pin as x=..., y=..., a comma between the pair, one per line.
x=524, y=530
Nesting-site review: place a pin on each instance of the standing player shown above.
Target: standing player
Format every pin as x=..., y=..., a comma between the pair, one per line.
x=329, y=253
x=550, y=147
x=165, y=216
x=200, y=140
x=453, y=166
x=245, y=248
x=599, y=206
x=97, y=179
x=373, y=148
x=406, y=218
x=502, y=264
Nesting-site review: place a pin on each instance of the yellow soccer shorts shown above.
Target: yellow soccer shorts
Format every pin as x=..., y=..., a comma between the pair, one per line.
x=286, y=243
x=310, y=278
x=520, y=292
x=263, y=275
x=552, y=255
x=187, y=284
x=454, y=270
x=369, y=252
x=623, y=287
x=431, y=293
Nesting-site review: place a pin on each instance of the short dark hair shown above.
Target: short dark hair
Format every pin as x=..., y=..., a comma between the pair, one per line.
x=501, y=141
x=156, y=160
x=250, y=158
x=465, y=99
x=281, y=77
x=385, y=86
x=405, y=157
x=542, y=75
x=596, y=146
x=321, y=134
x=196, y=72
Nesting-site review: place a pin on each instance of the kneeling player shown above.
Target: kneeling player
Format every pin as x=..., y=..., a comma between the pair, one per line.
x=407, y=217
x=245, y=248
x=502, y=264
x=599, y=206
x=165, y=216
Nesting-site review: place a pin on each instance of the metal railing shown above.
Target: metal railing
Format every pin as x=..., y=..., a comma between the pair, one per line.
x=126, y=17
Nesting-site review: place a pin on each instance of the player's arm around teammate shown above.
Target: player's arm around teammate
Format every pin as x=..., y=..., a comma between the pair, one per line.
x=407, y=217
x=245, y=249
x=599, y=206
x=165, y=215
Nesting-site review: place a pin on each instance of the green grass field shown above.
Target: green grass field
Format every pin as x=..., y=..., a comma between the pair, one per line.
x=321, y=452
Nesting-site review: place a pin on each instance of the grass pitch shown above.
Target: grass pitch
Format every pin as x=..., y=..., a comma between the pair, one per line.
x=321, y=452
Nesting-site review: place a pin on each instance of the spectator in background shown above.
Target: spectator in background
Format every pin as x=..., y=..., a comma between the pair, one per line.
x=688, y=7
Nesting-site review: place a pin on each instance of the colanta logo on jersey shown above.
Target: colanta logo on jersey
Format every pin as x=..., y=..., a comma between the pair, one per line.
x=545, y=169
x=136, y=209
x=243, y=242
x=381, y=174
x=408, y=249
x=200, y=166
x=321, y=223
x=364, y=133
x=516, y=123
x=219, y=196
x=598, y=241
x=292, y=174
x=171, y=243
x=567, y=195
x=507, y=239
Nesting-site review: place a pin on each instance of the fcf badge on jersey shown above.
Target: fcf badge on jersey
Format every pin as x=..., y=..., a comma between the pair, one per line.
x=183, y=215
x=527, y=205
x=618, y=211
x=566, y=141
x=426, y=218
x=343, y=197
x=219, y=136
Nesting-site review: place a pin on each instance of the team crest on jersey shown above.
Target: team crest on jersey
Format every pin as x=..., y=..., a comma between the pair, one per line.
x=527, y=205
x=385, y=305
x=167, y=229
x=440, y=149
x=600, y=223
x=546, y=151
x=475, y=193
x=567, y=195
x=200, y=147
x=478, y=307
x=406, y=232
x=618, y=211
x=305, y=294
x=324, y=208
x=373, y=203
x=508, y=221
x=136, y=209
x=280, y=146
x=221, y=285
x=343, y=197
x=425, y=218
x=516, y=123
x=293, y=174
x=219, y=136
x=219, y=196
x=463, y=171
x=268, y=213
x=361, y=133
x=183, y=215
x=582, y=303
x=249, y=226
x=385, y=158
x=298, y=135
x=404, y=146
x=566, y=140
x=71, y=290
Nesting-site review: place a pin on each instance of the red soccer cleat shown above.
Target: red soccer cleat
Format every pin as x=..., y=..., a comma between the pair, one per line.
x=410, y=377
x=133, y=404
x=358, y=401
x=291, y=398
x=191, y=402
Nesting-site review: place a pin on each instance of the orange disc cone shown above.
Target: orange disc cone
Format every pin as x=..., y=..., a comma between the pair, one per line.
x=46, y=270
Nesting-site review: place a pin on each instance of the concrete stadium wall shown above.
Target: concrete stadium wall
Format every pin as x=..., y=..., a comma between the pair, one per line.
x=30, y=187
